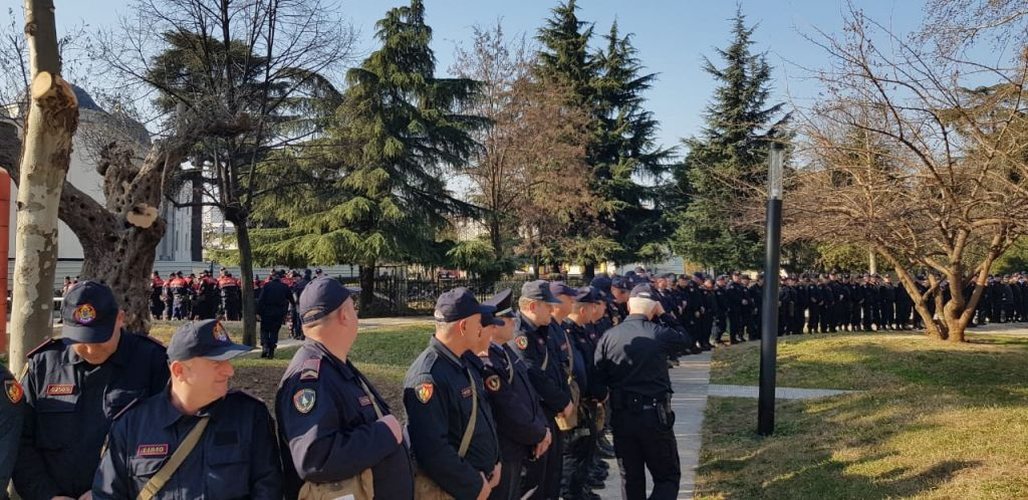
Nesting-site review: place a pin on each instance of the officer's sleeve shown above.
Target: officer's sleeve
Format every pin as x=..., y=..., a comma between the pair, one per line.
x=112, y=480
x=672, y=341
x=553, y=398
x=321, y=448
x=601, y=374
x=11, y=415
x=512, y=411
x=427, y=423
x=31, y=478
x=265, y=463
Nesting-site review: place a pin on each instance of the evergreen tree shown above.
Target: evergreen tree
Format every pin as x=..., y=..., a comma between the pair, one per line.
x=625, y=150
x=397, y=130
x=730, y=153
x=621, y=151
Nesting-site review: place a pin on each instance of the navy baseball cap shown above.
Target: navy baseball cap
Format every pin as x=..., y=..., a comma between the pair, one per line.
x=643, y=291
x=489, y=317
x=457, y=304
x=589, y=294
x=502, y=302
x=620, y=283
x=89, y=311
x=203, y=339
x=559, y=288
x=538, y=290
x=320, y=297
x=601, y=282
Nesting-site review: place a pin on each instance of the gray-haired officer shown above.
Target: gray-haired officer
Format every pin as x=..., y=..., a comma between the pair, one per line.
x=631, y=360
x=450, y=422
x=197, y=438
x=337, y=431
x=74, y=387
x=534, y=344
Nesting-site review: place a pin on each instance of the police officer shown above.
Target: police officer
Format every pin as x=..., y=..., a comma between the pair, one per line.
x=521, y=424
x=230, y=295
x=737, y=302
x=451, y=425
x=272, y=306
x=226, y=437
x=12, y=407
x=631, y=360
x=74, y=387
x=156, y=290
x=333, y=424
x=533, y=346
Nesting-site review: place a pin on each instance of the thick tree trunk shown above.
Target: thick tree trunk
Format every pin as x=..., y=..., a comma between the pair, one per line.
x=246, y=270
x=367, y=281
x=52, y=120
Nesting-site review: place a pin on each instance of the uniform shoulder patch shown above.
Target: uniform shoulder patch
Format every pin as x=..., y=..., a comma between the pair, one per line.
x=310, y=369
x=522, y=342
x=303, y=400
x=492, y=383
x=14, y=391
x=424, y=391
x=47, y=344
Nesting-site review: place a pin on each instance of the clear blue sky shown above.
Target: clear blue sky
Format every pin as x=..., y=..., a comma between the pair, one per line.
x=672, y=37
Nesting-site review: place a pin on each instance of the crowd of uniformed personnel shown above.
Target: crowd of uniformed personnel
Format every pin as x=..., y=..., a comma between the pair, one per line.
x=503, y=403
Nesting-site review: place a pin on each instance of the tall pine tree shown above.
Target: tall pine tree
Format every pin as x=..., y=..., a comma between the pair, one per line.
x=608, y=86
x=398, y=130
x=625, y=152
x=730, y=153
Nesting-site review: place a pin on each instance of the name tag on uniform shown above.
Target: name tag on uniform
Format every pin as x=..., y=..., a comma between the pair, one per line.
x=60, y=389
x=152, y=450
x=364, y=401
x=466, y=392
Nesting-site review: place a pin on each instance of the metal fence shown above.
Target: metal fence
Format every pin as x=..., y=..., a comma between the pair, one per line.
x=397, y=295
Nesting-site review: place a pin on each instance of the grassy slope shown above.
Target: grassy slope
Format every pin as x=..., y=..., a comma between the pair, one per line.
x=935, y=421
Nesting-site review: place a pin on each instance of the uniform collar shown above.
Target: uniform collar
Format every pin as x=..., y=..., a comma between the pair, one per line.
x=345, y=368
x=168, y=415
x=445, y=351
x=636, y=317
x=120, y=357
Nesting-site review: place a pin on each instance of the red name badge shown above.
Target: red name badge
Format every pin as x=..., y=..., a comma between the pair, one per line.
x=152, y=450
x=60, y=389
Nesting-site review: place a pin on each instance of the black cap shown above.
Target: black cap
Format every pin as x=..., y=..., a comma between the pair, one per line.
x=89, y=311
x=558, y=288
x=320, y=297
x=620, y=283
x=643, y=291
x=458, y=304
x=589, y=294
x=203, y=339
x=501, y=301
x=601, y=282
x=489, y=317
x=538, y=290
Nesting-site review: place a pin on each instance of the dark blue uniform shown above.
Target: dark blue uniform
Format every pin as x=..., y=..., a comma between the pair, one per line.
x=538, y=350
x=581, y=441
x=12, y=408
x=334, y=434
x=521, y=423
x=70, y=406
x=272, y=306
x=438, y=396
x=631, y=360
x=236, y=456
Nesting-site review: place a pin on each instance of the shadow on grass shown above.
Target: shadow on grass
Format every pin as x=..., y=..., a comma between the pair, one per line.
x=809, y=455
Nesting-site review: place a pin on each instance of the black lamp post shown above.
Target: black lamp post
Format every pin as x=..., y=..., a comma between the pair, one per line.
x=769, y=319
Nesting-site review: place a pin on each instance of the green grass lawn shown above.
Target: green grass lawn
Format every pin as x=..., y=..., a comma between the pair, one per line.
x=935, y=420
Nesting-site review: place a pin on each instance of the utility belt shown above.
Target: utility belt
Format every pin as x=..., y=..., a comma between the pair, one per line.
x=639, y=403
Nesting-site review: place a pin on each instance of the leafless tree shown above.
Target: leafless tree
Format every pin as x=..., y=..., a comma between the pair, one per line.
x=924, y=159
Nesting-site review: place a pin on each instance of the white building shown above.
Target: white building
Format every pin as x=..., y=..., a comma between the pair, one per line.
x=180, y=246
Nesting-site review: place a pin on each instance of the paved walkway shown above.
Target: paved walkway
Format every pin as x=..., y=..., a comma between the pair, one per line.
x=690, y=381
x=751, y=391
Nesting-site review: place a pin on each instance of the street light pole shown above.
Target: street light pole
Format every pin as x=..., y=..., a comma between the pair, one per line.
x=769, y=319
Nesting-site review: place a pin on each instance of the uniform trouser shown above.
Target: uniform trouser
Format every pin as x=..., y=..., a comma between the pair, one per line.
x=888, y=313
x=797, y=321
x=868, y=315
x=735, y=326
x=706, y=325
x=269, y=330
x=579, y=451
x=178, y=310
x=783, y=321
x=510, y=480
x=813, y=318
x=642, y=443
x=721, y=325
x=542, y=476
x=752, y=322
x=156, y=306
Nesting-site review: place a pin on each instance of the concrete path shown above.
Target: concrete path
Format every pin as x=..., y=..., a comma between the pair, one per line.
x=747, y=391
x=690, y=381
